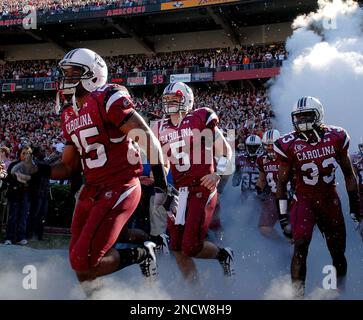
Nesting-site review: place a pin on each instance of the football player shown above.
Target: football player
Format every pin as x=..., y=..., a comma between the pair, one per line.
x=268, y=167
x=190, y=140
x=357, y=160
x=96, y=126
x=314, y=151
x=246, y=172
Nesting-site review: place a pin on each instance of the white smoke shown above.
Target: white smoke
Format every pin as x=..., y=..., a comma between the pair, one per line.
x=325, y=61
x=262, y=267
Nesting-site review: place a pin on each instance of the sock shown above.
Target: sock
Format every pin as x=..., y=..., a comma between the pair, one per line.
x=131, y=256
x=222, y=254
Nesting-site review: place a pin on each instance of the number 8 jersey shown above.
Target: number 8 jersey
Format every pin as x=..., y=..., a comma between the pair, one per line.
x=314, y=163
x=107, y=155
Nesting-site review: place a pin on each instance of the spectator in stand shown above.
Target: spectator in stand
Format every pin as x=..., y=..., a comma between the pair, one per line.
x=18, y=200
x=4, y=157
x=38, y=194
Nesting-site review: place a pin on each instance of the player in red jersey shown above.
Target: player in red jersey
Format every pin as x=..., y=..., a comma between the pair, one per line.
x=96, y=127
x=314, y=151
x=357, y=160
x=190, y=140
x=268, y=167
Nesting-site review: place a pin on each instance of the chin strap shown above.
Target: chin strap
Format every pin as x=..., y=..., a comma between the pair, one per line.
x=316, y=135
x=57, y=103
x=180, y=118
x=74, y=105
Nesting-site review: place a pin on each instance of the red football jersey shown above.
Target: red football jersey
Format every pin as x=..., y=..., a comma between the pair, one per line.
x=270, y=168
x=357, y=160
x=247, y=167
x=314, y=164
x=190, y=155
x=107, y=155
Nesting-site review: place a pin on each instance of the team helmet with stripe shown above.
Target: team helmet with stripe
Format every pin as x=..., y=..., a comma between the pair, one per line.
x=307, y=114
x=268, y=140
x=253, y=145
x=81, y=66
x=177, y=97
x=360, y=148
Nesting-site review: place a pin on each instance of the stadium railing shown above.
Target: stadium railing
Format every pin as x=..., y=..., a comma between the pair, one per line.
x=196, y=74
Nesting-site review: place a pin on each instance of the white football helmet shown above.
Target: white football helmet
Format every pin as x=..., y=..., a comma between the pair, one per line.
x=268, y=140
x=307, y=114
x=360, y=148
x=177, y=97
x=253, y=145
x=92, y=70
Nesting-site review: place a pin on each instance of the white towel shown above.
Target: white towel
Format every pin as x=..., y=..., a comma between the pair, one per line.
x=182, y=207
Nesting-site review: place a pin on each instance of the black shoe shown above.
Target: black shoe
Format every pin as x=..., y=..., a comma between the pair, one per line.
x=148, y=266
x=225, y=258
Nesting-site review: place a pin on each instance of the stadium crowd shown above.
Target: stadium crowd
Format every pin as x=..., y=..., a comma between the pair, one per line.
x=210, y=59
x=32, y=122
x=12, y=7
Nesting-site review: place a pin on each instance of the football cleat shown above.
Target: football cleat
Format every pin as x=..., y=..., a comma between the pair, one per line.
x=225, y=259
x=148, y=266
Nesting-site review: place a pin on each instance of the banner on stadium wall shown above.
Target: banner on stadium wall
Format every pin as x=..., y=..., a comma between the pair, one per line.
x=118, y=80
x=246, y=74
x=184, y=77
x=10, y=22
x=136, y=81
x=8, y=87
x=82, y=14
x=192, y=3
x=50, y=85
x=205, y=76
x=126, y=11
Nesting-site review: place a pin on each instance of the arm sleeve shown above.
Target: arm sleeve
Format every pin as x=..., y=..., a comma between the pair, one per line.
x=118, y=105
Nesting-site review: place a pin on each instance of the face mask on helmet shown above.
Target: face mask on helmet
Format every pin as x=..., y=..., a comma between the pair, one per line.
x=305, y=120
x=173, y=103
x=252, y=149
x=269, y=149
x=71, y=76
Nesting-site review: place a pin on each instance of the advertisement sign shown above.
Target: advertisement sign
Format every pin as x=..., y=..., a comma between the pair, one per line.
x=184, y=77
x=192, y=3
x=118, y=80
x=51, y=85
x=136, y=81
x=206, y=76
x=8, y=87
x=126, y=11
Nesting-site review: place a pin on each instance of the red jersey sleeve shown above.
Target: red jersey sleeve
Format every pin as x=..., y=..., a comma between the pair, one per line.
x=282, y=147
x=208, y=118
x=118, y=105
x=341, y=139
